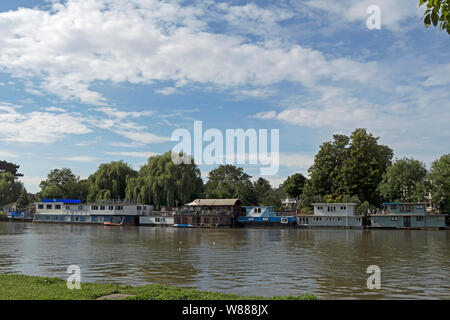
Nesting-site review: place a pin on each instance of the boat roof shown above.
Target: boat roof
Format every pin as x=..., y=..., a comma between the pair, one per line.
x=61, y=200
x=405, y=203
x=213, y=202
x=334, y=204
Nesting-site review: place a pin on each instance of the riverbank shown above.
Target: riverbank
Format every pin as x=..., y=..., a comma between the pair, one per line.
x=21, y=287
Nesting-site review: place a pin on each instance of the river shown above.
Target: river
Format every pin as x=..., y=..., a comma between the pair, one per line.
x=331, y=263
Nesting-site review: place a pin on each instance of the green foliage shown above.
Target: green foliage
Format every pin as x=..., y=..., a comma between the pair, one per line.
x=293, y=185
x=10, y=188
x=342, y=199
x=63, y=184
x=364, y=207
x=227, y=182
x=404, y=181
x=272, y=198
x=308, y=197
x=21, y=287
x=350, y=165
x=437, y=12
x=23, y=200
x=10, y=167
x=110, y=181
x=163, y=183
x=440, y=180
x=326, y=172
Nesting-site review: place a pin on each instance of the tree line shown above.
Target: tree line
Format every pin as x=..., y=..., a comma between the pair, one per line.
x=353, y=168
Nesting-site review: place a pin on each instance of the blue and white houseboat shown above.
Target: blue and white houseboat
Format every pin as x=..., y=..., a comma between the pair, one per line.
x=16, y=213
x=265, y=216
x=73, y=211
x=401, y=215
x=335, y=215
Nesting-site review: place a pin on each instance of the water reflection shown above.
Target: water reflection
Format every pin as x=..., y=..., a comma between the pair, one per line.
x=331, y=263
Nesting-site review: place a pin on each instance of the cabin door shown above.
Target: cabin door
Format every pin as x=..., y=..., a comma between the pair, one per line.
x=407, y=221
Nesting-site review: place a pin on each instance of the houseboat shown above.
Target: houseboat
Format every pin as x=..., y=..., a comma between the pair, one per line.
x=163, y=218
x=108, y=212
x=401, y=215
x=335, y=215
x=209, y=213
x=16, y=213
x=266, y=216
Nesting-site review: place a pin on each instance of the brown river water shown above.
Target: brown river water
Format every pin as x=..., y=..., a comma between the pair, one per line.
x=331, y=263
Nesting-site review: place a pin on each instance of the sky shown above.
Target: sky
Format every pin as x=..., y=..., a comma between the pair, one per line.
x=85, y=82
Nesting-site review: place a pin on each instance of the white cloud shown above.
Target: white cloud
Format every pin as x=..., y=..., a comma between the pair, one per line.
x=393, y=13
x=134, y=154
x=32, y=182
x=49, y=127
x=413, y=121
x=168, y=91
x=141, y=136
x=120, y=114
x=296, y=160
x=7, y=154
x=38, y=127
x=54, y=109
x=79, y=159
x=83, y=41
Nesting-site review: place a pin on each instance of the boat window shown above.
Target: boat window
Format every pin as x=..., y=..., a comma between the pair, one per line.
x=40, y=206
x=57, y=206
x=49, y=206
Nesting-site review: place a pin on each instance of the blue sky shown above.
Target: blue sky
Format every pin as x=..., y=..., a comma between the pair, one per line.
x=84, y=82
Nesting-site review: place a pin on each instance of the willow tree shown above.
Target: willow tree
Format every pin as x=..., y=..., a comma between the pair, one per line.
x=163, y=183
x=10, y=188
x=110, y=181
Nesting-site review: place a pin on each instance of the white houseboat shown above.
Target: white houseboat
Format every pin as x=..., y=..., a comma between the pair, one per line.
x=163, y=218
x=73, y=211
x=340, y=215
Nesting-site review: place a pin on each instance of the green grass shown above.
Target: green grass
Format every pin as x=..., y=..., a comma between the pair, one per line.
x=21, y=287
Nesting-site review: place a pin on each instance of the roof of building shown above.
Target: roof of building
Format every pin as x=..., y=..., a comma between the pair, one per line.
x=61, y=200
x=334, y=204
x=405, y=203
x=214, y=202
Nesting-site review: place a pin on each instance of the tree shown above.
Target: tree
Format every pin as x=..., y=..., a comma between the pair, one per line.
x=309, y=196
x=404, y=181
x=438, y=12
x=326, y=172
x=163, y=183
x=440, y=181
x=110, y=181
x=363, y=170
x=10, y=167
x=10, y=188
x=23, y=200
x=293, y=185
x=63, y=184
x=350, y=166
x=272, y=198
x=228, y=181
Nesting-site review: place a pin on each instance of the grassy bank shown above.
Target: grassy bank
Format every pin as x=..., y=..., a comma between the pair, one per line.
x=20, y=287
